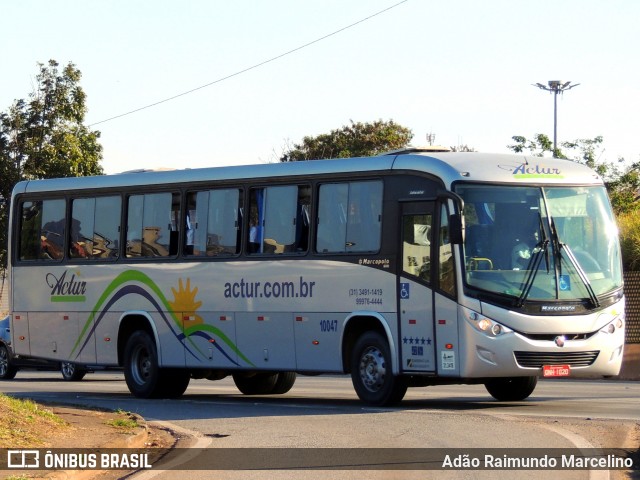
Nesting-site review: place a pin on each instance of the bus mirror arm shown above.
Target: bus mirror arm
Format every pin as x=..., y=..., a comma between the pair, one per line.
x=456, y=230
x=457, y=199
x=456, y=236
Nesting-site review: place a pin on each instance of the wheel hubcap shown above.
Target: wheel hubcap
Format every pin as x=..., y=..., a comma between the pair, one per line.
x=67, y=369
x=142, y=367
x=373, y=369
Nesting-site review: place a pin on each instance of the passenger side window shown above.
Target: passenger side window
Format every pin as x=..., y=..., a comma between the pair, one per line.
x=95, y=228
x=349, y=217
x=213, y=222
x=152, y=225
x=42, y=230
x=279, y=219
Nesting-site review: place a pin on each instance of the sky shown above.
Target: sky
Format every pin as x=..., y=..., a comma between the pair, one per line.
x=459, y=69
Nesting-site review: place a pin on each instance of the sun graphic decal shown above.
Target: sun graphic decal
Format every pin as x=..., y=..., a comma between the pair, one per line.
x=184, y=302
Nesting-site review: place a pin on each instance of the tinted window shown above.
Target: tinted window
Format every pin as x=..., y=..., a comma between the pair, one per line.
x=42, y=230
x=152, y=225
x=279, y=219
x=95, y=227
x=213, y=222
x=349, y=217
x=446, y=275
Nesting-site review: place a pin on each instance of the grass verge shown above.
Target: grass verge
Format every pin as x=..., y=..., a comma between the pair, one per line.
x=23, y=422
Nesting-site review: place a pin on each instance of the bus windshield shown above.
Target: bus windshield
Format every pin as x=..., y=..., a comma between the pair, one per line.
x=540, y=243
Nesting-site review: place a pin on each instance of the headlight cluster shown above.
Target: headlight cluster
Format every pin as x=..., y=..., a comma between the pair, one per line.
x=615, y=324
x=485, y=325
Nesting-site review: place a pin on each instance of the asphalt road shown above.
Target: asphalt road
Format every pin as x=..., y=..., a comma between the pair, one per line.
x=324, y=412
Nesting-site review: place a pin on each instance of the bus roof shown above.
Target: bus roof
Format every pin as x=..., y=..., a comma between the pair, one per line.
x=451, y=167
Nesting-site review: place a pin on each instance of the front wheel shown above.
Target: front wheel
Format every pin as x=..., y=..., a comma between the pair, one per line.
x=141, y=368
x=7, y=370
x=371, y=372
x=143, y=374
x=511, y=389
x=72, y=372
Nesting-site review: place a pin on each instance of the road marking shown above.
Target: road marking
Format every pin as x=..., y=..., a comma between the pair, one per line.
x=580, y=443
x=201, y=442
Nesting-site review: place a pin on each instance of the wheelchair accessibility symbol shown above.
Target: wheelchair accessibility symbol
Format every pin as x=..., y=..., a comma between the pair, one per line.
x=404, y=291
x=565, y=283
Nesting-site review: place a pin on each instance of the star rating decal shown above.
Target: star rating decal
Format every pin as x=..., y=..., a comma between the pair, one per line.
x=416, y=341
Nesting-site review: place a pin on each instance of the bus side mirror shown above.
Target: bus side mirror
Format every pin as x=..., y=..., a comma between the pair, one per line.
x=456, y=235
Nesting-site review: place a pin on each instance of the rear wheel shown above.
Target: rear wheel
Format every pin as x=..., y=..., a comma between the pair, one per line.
x=72, y=372
x=256, y=384
x=284, y=383
x=371, y=372
x=511, y=389
x=7, y=370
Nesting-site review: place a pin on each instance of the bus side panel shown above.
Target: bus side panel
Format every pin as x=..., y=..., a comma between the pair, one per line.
x=417, y=343
x=20, y=333
x=317, y=341
x=86, y=355
x=57, y=336
x=448, y=347
x=212, y=337
x=171, y=343
x=267, y=340
x=106, y=336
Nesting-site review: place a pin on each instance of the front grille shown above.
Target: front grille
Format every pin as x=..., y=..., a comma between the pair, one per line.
x=538, y=359
x=550, y=337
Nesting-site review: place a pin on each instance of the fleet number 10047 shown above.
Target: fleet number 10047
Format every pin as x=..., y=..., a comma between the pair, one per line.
x=328, y=325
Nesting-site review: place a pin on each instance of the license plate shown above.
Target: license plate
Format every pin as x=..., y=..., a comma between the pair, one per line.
x=556, y=370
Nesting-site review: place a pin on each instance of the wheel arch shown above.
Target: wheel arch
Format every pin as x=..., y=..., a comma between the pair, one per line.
x=130, y=322
x=363, y=321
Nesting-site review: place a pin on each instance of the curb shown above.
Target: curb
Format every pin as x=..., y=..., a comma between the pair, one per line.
x=135, y=440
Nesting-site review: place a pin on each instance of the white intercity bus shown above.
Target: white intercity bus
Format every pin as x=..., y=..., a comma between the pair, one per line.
x=408, y=269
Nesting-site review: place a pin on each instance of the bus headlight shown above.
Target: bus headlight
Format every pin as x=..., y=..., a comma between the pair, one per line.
x=616, y=324
x=485, y=325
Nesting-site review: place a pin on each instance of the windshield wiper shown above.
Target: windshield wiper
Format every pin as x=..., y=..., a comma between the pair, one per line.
x=532, y=268
x=541, y=248
x=558, y=247
x=581, y=273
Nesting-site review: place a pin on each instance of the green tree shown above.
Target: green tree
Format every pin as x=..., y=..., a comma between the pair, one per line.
x=584, y=150
x=44, y=136
x=537, y=146
x=353, y=140
x=623, y=183
x=624, y=190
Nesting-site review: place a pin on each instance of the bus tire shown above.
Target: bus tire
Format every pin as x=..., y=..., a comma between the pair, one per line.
x=284, y=382
x=511, y=389
x=257, y=384
x=372, y=374
x=72, y=372
x=141, y=367
x=173, y=382
x=7, y=369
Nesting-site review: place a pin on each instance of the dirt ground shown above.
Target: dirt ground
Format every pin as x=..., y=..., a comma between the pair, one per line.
x=91, y=429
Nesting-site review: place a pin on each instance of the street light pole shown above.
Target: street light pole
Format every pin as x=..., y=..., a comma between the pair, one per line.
x=555, y=87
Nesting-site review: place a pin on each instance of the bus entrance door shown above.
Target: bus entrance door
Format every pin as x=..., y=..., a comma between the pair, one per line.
x=415, y=296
